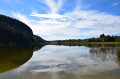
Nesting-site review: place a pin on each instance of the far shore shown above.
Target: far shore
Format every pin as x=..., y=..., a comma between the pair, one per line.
x=99, y=43
x=80, y=43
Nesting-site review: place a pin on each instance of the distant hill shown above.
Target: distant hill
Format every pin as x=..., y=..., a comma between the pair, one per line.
x=16, y=32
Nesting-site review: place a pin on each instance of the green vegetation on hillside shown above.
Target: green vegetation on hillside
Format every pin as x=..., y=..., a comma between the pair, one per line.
x=13, y=31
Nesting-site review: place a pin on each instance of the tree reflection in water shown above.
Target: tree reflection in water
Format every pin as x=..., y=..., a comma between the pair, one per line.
x=106, y=54
x=13, y=57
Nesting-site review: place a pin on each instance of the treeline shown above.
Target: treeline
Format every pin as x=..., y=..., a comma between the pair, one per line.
x=107, y=39
x=16, y=32
x=103, y=38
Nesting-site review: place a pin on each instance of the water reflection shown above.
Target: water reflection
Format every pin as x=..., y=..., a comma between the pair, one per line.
x=62, y=62
x=106, y=54
x=13, y=57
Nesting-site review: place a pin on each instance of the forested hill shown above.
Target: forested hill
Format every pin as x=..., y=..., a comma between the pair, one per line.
x=16, y=32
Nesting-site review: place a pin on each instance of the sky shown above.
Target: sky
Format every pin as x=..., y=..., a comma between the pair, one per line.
x=66, y=19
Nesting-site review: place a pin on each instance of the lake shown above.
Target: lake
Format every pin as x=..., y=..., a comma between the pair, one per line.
x=60, y=62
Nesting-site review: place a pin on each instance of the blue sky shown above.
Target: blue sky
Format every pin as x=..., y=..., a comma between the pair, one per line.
x=66, y=19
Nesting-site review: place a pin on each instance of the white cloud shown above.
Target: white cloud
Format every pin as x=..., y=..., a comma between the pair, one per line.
x=21, y=17
x=47, y=15
x=71, y=24
x=53, y=6
x=115, y=4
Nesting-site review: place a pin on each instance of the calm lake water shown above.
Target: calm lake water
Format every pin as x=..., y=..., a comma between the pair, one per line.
x=60, y=62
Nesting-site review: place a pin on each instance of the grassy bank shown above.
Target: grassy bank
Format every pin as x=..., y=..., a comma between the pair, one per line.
x=87, y=44
x=99, y=43
x=77, y=43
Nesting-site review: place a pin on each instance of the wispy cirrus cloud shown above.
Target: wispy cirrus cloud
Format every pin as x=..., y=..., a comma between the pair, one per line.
x=115, y=4
x=73, y=24
x=21, y=17
x=47, y=15
x=54, y=8
x=53, y=5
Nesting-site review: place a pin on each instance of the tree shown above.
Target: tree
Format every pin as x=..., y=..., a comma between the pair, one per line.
x=102, y=36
